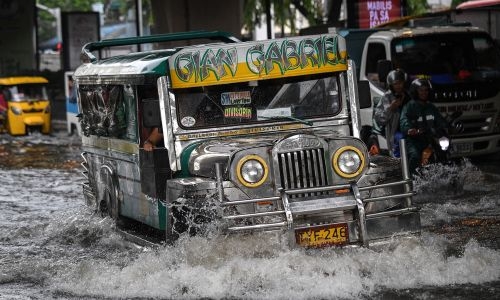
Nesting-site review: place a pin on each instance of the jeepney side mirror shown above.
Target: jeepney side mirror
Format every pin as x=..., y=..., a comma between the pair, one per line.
x=365, y=99
x=151, y=113
x=384, y=66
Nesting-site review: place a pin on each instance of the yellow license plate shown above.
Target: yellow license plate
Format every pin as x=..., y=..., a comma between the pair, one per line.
x=321, y=236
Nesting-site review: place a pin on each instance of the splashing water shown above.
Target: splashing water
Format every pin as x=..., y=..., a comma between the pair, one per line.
x=53, y=247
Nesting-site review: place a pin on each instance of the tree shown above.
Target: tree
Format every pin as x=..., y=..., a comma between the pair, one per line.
x=284, y=12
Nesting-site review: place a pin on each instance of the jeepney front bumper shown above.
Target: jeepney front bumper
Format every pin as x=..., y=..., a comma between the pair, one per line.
x=349, y=222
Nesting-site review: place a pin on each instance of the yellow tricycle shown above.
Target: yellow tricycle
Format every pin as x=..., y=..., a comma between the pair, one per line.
x=27, y=105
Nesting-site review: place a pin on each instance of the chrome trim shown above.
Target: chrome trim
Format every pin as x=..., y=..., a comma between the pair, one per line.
x=352, y=83
x=262, y=214
x=249, y=201
x=392, y=212
x=405, y=171
x=375, y=199
x=363, y=234
x=167, y=109
x=286, y=206
x=219, y=179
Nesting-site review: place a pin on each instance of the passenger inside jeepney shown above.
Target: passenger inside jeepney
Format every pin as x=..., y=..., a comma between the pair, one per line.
x=153, y=140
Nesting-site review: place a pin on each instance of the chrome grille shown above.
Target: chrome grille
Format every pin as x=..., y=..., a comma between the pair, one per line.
x=475, y=125
x=302, y=169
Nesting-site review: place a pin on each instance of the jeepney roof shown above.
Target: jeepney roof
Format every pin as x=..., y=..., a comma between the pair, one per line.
x=212, y=64
x=137, y=63
x=418, y=31
x=15, y=80
x=220, y=63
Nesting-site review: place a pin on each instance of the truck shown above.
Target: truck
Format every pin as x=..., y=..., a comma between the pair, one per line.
x=259, y=136
x=462, y=63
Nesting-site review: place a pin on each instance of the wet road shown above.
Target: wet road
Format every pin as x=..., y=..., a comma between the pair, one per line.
x=53, y=247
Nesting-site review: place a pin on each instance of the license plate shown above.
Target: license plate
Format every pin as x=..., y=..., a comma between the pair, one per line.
x=462, y=148
x=324, y=235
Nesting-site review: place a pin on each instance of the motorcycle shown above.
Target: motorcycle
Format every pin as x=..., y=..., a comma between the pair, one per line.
x=438, y=149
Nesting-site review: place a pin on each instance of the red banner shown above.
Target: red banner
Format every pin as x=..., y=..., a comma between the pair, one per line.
x=373, y=13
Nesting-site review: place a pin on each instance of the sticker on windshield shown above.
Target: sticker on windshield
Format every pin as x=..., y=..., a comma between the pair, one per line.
x=188, y=121
x=264, y=114
x=235, y=98
x=237, y=112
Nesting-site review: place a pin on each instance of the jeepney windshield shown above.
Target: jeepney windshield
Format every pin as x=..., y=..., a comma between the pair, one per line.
x=294, y=99
x=448, y=58
x=26, y=92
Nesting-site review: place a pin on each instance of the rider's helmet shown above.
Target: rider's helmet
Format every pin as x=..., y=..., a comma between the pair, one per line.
x=395, y=75
x=419, y=82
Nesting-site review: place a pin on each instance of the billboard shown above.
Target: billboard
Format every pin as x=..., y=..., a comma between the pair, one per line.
x=370, y=13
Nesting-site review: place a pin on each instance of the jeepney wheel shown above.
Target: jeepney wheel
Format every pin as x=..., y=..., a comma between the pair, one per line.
x=191, y=216
x=109, y=205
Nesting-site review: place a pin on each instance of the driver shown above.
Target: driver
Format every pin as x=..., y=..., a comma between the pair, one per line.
x=419, y=118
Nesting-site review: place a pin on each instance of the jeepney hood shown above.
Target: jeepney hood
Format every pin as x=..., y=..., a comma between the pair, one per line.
x=204, y=157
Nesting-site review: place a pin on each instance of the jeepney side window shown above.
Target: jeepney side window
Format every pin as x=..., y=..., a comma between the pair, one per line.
x=130, y=110
x=149, y=110
x=107, y=110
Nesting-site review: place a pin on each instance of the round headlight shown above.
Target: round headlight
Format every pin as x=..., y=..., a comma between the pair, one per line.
x=16, y=110
x=348, y=161
x=252, y=171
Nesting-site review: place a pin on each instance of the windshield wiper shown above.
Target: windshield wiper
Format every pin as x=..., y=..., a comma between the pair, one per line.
x=308, y=123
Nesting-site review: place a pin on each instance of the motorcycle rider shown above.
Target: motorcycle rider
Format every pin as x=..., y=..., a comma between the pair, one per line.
x=386, y=113
x=418, y=118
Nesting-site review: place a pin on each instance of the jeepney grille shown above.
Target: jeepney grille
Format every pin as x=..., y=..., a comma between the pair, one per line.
x=303, y=169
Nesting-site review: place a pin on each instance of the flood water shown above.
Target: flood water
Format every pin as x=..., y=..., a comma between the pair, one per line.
x=53, y=247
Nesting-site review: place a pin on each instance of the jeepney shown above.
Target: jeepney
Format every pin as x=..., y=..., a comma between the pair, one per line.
x=257, y=136
x=28, y=105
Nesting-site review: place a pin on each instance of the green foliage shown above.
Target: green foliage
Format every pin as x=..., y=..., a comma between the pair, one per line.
x=284, y=12
x=416, y=7
x=454, y=3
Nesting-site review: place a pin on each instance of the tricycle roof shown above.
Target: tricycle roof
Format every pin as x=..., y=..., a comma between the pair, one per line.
x=15, y=80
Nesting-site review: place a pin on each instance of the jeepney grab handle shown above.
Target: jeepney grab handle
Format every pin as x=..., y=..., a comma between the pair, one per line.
x=157, y=38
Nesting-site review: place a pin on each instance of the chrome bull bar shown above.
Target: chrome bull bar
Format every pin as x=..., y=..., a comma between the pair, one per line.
x=353, y=202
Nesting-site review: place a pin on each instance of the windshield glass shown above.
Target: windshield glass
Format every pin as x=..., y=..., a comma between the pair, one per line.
x=26, y=92
x=293, y=99
x=448, y=58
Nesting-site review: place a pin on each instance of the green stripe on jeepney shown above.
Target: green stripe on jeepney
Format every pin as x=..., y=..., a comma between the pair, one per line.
x=186, y=153
x=162, y=215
